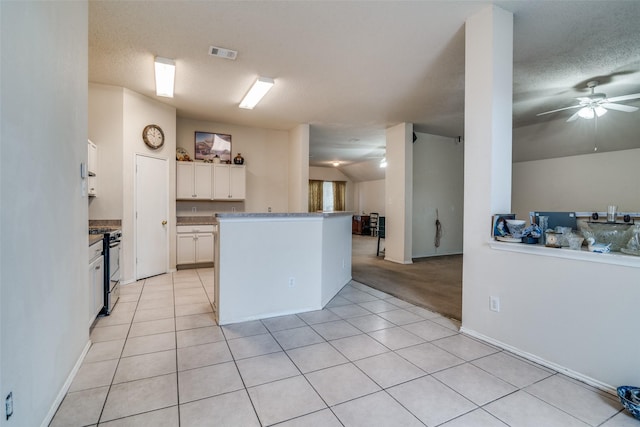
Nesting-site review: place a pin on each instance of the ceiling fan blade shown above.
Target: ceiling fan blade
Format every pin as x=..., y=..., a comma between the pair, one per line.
x=619, y=107
x=573, y=117
x=559, y=109
x=624, y=97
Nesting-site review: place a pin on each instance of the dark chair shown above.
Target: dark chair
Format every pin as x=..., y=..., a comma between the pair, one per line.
x=381, y=229
x=373, y=223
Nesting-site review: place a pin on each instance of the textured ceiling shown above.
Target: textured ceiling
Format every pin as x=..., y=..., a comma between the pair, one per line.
x=351, y=69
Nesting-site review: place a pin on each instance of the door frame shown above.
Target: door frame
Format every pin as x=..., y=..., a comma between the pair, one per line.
x=135, y=206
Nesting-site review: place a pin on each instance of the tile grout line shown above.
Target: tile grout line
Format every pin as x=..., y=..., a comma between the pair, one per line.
x=120, y=357
x=175, y=337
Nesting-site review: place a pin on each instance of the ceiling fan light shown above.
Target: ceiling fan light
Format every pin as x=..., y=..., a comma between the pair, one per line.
x=586, y=113
x=600, y=111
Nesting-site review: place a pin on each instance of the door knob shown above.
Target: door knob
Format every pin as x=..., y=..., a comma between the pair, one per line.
x=164, y=222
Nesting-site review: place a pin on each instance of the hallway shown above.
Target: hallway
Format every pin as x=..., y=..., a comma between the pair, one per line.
x=434, y=283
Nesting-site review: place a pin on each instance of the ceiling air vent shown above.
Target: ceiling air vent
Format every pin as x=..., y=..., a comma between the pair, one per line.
x=222, y=52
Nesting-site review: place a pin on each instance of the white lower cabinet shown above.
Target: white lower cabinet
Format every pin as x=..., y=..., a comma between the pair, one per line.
x=195, y=244
x=96, y=280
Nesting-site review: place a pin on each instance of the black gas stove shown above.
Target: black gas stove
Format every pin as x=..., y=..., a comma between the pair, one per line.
x=111, y=250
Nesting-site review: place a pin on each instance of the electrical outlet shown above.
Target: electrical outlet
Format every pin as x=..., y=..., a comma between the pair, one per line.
x=292, y=282
x=194, y=209
x=269, y=209
x=8, y=405
x=494, y=304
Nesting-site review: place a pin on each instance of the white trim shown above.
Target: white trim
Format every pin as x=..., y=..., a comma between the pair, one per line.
x=397, y=261
x=613, y=258
x=533, y=358
x=65, y=387
x=135, y=206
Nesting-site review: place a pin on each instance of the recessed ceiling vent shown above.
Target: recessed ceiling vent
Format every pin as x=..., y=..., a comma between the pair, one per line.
x=222, y=52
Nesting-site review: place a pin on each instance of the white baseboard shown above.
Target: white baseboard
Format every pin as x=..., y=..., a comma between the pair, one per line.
x=65, y=387
x=540, y=361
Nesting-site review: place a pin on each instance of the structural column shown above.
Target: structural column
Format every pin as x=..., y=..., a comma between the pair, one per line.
x=399, y=194
x=488, y=134
x=299, y=169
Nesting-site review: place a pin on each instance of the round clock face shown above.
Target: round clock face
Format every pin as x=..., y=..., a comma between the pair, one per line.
x=153, y=136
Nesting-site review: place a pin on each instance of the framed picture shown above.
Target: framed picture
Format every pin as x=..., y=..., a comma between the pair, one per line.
x=208, y=145
x=499, y=224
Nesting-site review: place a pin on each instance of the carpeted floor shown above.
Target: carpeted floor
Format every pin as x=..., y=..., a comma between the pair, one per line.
x=434, y=283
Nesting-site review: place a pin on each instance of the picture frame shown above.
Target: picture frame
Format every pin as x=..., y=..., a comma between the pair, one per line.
x=499, y=224
x=208, y=145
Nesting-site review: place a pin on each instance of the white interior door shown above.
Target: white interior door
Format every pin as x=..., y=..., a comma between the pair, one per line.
x=152, y=189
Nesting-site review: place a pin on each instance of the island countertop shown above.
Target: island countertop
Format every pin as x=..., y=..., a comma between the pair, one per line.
x=281, y=214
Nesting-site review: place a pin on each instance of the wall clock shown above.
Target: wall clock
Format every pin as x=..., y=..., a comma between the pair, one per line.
x=153, y=136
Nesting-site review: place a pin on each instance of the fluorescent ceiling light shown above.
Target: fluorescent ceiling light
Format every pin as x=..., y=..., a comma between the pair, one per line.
x=165, y=76
x=257, y=91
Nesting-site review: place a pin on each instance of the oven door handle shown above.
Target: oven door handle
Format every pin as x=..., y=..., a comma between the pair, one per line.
x=114, y=243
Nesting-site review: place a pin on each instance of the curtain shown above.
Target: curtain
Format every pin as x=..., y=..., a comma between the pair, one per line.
x=339, y=190
x=315, y=195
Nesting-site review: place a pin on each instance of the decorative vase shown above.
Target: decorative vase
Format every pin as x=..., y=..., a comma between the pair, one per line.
x=238, y=160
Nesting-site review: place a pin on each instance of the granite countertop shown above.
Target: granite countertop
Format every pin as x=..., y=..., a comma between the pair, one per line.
x=113, y=223
x=282, y=214
x=196, y=220
x=94, y=238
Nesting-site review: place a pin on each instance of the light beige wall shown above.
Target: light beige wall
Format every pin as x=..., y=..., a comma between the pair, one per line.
x=139, y=111
x=299, y=169
x=44, y=284
x=105, y=130
x=551, y=309
x=370, y=197
x=399, y=190
x=266, y=158
x=334, y=174
x=585, y=183
x=438, y=193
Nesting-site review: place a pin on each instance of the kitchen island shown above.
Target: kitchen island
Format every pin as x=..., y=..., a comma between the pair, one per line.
x=274, y=264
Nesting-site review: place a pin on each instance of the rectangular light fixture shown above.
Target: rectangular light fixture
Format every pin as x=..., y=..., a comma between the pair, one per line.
x=165, y=76
x=257, y=91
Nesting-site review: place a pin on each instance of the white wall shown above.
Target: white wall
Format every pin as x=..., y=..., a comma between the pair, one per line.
x=585, y=183
x=105, y=130
x=298, y=162
x=139, y=111
x=438, y=184
x=334, y=174
x=563, y=312
x=265, y=152
x=44, y=248
x=399, y=190
x=258, y=257
x=370, y=197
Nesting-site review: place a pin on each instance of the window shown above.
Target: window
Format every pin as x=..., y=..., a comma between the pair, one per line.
x=326, y=195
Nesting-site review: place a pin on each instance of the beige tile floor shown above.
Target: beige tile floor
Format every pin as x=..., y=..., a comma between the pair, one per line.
x=368, y=359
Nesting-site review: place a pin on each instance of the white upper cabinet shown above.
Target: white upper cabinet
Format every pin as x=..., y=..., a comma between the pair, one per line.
x=229, y=182
x=193, y=181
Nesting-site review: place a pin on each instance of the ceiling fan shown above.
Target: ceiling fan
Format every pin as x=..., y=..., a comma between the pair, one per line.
x=596, y=104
